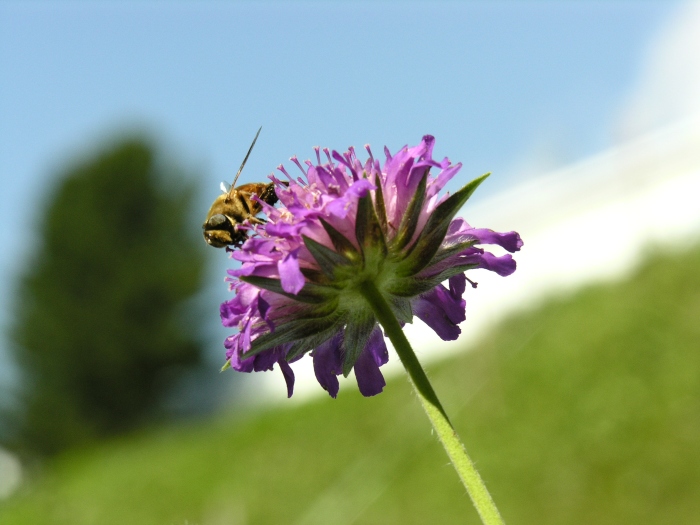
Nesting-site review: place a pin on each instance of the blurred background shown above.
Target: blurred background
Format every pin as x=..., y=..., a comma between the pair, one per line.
x=576, y=384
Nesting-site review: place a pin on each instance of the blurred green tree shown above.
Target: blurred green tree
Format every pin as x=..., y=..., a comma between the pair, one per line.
x=103, y=310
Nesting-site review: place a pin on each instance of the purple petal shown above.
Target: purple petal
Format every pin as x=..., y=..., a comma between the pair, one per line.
x=452, y=303
x=233, y=355
x=283, y=229
x=255, y=268
x=328, y=364
x=290, y=274
x=288, y=374
x=370, y=380
x=345, y=161
x=429, y=142
x=458, y=284
x=230, y=313
x=503, y=266
x=511, y=241
x=360, y=188
x=457, y=226
x=443, y=178
x=441, y=311
x=377, y=347
x=425, y=311
x=266, y=360
x=341, y=205
x=330, y=178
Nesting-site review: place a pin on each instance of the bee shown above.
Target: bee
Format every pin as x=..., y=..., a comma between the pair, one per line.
x=235, y=206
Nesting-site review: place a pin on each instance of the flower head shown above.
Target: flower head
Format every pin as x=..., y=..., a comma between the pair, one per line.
x=343, y=224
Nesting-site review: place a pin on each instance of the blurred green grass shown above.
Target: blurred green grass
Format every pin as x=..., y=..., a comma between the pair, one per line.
x=586, y=410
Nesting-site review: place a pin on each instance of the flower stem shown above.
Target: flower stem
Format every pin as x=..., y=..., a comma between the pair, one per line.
x=431, y=404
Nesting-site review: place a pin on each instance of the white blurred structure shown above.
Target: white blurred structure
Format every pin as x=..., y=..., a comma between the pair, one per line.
x=10, y=474
x=668, y=87
x=588, y=222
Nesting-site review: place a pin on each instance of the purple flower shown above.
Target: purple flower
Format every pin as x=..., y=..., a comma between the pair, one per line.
x=344, y=223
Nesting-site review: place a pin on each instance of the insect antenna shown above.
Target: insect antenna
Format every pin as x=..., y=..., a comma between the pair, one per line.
x=233, y=186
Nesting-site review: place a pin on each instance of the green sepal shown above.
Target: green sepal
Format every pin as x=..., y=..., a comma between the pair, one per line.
x=311, y=293
x=327, y=259
x=310, y=343
x=292, y=311
x=293, y=331
x=367, y=229
x=401, y=307
x=341, y=243
x=412, y=286
x=429, y=240
x=357, y=332
x=317, y=277
x=409, y=221
x=226, y=366
x=448, y=251
x=449, y=272
x=370, y=236
x=379, y=206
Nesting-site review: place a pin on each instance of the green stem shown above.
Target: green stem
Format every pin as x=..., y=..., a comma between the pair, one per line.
x=446, y=433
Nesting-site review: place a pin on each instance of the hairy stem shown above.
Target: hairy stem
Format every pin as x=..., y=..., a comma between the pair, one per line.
x=431, y=404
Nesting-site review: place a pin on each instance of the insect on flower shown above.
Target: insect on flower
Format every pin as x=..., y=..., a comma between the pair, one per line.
x=236, y=206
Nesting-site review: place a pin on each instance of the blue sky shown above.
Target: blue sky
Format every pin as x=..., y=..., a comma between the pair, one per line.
x=508, y=87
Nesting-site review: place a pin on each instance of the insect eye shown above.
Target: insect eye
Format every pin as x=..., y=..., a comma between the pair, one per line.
x=215, y=222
